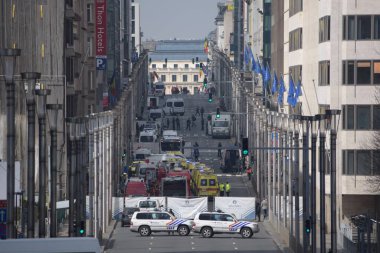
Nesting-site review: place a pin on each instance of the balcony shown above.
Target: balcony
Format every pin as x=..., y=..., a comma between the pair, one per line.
x=71, y=14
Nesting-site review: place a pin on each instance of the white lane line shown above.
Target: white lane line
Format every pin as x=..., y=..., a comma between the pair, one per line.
x=192, y=242
x=192, y=248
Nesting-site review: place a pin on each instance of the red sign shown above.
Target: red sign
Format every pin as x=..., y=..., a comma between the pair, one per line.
x=101, y=27
x=3, y=203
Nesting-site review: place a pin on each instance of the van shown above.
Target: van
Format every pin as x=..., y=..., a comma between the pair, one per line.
x=174, y=106
x=204, y=182
x=159, y=89
x=147, y=136
x=51, y=245
x=231, y=159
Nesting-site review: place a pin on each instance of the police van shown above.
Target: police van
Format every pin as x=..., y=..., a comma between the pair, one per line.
x=210, y=223
x=146, y=222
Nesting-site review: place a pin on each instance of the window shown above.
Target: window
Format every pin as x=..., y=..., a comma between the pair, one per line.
x=70, y=70
x=376, y=72
x=363, y=163
x=90, y=46
x=176, y=66
x=349, y=30
x=163, y=78
x=350, y=72
x=89, y=13
x=69, y=35
x=133, y=27
x=154, y=66
x=205, y=216
x=164, y=66
x=174, y=78
x=133, y=42
x=144, y=216
x=324, y=73
x=203, y=182
x=324, y=29
x=376, y=34
x=296, y=72
x=363, y=116
x=211, y=182
x=184, y=78
x=363, y=72
x=163, y=216
x=350, y=117
x=376, y=117
x=295, y=6
x=133, y=13
x=90, y=77
x=295, y=39
x=195, y=78
x=364, y=27
x=186, y=66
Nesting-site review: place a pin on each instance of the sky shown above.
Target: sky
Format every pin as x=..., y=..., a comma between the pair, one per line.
x=180, y=19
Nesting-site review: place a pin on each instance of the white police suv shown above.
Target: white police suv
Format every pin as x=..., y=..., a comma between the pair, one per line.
x=210, y=223
x=146, y=222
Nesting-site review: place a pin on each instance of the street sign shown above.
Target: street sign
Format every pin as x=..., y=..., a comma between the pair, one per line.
x=101, y=63
x=3, y=215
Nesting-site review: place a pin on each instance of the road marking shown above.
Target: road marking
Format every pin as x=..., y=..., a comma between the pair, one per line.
x=236, y=248
x=233, y=243
x=192, y=248
x=228, y=175
x=192, y=242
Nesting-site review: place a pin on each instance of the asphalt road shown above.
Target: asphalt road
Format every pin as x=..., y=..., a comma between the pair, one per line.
x=125, y=241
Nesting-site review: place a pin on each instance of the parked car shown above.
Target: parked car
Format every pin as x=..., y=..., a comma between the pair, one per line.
x=210, y=223
x=146, y=222
x=127, y=216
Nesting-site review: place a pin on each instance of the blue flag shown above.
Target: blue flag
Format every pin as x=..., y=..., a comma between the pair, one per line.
x=253, y=64
x=291, y=93
x=298, y=90
x=274, y=83
x=281, y=91
x=246, y=55
x=266, y=75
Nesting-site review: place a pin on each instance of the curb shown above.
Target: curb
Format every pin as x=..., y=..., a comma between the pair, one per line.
x=107, y=241
x=282, y=246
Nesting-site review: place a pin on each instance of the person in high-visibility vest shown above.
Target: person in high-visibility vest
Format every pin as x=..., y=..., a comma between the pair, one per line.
x=221, y=189
x=228, y=189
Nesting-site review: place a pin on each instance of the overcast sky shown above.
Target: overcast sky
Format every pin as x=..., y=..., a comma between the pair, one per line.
x=181, y=19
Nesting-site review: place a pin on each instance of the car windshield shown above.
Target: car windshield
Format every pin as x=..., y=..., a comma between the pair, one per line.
x=170, y=146
x=220, y=124
x=140, y=156
x=178, y=104
x=169, y=104
x=148, y=204
x=146, y=138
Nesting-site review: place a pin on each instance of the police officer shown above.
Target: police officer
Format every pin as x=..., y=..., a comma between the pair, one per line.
x=228, y=189
x=221, y=189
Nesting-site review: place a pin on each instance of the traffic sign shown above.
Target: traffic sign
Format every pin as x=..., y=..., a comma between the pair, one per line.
x=3, y=215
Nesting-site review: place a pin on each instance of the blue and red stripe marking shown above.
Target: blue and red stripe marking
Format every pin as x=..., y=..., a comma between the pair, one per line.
x=175, y=223
x=237, y=225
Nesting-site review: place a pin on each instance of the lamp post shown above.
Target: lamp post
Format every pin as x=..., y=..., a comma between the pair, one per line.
x=8, y=61
x=30, y=78
x=296, y=122
x=305, y=173
x=322, y=139
x=333, y=116
x=72, y=129
x=53, y=110
x=314, y=132
x=42, y=93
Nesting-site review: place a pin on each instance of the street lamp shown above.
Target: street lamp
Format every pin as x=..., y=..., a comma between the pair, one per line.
x=322, y=140
x=8, y=61
x=53, y=110
x=305, y=121
x=42, y=93
x=296, y=125
x=314, y=132
x=30, y=78
x=333, y=117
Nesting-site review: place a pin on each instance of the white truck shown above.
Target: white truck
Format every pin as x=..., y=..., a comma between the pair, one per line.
x=221, y=127
x=147, y=140
x=174, y=106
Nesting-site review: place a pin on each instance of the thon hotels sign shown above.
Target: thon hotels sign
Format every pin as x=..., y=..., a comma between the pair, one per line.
x=101, y=34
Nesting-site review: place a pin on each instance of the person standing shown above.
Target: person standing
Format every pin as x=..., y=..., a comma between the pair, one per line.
x=172, y=213
x=228, y=189
x=249, y=173
x=188, y=123
x=258, y=211
x=221, y=189
x=197, y=111
x=264, y=207
x=178, y=124
x=220, y=150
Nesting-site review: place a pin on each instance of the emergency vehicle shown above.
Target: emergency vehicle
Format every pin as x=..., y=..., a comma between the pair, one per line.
x=204, y=183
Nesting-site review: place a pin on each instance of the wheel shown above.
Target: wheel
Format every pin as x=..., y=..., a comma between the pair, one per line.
x=144, y=231
x=183, y=230
x=246, y=233
x=207, y=232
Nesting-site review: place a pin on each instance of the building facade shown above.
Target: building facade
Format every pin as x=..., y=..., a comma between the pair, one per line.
x=177, y=64
x=136, y=28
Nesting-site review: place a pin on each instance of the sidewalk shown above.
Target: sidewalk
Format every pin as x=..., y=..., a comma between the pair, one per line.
x=107, y=236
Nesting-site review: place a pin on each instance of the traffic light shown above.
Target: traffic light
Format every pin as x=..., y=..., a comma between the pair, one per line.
x=82, y=228
x=209, y=117
x=218, y=113
x=193, y=61
x=205, y=82
x=210, y=97
x=245, y=146
x=196, y=59
x=308, y=226
x=166, y=60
